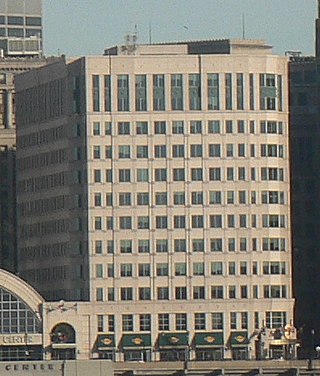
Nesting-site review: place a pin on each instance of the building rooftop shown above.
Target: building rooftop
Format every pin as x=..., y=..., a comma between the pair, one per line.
x=200, y=47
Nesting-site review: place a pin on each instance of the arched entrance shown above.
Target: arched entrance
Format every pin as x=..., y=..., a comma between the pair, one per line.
x=63, y=342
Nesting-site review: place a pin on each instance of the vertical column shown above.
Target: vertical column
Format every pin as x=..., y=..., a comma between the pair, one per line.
x=8, y=109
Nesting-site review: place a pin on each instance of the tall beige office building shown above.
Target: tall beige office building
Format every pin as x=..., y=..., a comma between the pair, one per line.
x=153, y=182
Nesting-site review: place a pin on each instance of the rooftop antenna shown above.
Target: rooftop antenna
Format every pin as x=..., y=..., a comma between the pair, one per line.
x=150, y=32
x=244, y=26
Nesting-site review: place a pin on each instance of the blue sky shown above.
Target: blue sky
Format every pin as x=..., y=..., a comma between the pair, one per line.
x=83, y=27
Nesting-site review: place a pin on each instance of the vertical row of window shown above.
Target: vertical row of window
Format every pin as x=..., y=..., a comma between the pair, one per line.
x=270, y=92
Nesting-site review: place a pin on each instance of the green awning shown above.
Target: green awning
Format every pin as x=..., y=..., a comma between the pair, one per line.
x=208, y=339
x=135, y=341
x=238, y=339
x=169, y=340
x=105, y=341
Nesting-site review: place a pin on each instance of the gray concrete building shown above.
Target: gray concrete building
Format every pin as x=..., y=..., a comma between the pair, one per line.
x=153, y=183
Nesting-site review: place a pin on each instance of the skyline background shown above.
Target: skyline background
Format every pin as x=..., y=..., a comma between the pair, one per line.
x=87, y=27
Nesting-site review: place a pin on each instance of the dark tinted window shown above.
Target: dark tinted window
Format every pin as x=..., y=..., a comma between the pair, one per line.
x=15, y=33
x=15, y=20
x=2, y=20
x=33, y=21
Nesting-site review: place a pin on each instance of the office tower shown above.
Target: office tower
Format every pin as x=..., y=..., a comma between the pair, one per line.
x=21, y=28
x=305, y=141
x=154, y=182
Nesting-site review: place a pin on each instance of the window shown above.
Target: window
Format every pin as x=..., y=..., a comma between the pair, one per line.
x=96, y=93
x=97, y=199
x=196, y=174
x=229, y=126
x=197, y=198
x=216, y=268
x=276, y=319
x=160, y=127
x=196, y=150
x=198, y=268
x=240, y=89
x=216, y=245
x=160, y=151
x=230, y=173
x=178, y=174
x=141, y=92
x=216, y=221
x=241, y=150
x=228, y=91
x=110, y=247
x=124, y=175
x=268, y=92
x=125, y=246
x=179, y=221
x=162, y=269
x=214, y=126
x=194, y=91
x=143, y=246
x=161, y=222
x=243, y=220
x=161, y=246
x=123, y=92
x=180, y=269
x=100, y=321
x=97, y=223
x=241, y=173
x=230, y=221
x=178, y=127
x=126, y=270
x=215, y=197
x=109, y=199
x=176, y=92
x=142, y=127
x=181, y=293
x=110, y=294
x=160, y=174
x=217, y=320
x=124, y=152
x=110, y=270
x=213, y=91
x=127, y=323
x=158, y=92
x=109, y=176
x=215, y=174
x=231, y=244
x=99, y=294
x=96, y=128
x=274, y=291
x=96, y=152
x=244, y=320
x=99, y=271
x=216, y=292
x=125, y=199
x=180, y=245
x=197, y=221
x=200, y=321
x=143, y=222
x=161, y=198
x=243, y=244
x=214, y=150
x=229, y=150
x=97, y=176
x=125, y=223
x=142, y=151
x=145, y=322
x=163, y=321
x=144, y=293
x=178, y=151
x=98, y=247
x=109, y=223
x=179, y=198
x=143, y=198
x=142, y=175
x=126, y=293
x=163, y=293
x=123, y=128
x=197, y=245
x=232, y=293
x=233, y=320
x=195, y=127
x=181, y=321
x=232, y=268
x=273, y=220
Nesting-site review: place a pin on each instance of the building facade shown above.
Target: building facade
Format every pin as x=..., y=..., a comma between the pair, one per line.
x=21, y=28
x=153, y=182
x=304, y=138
